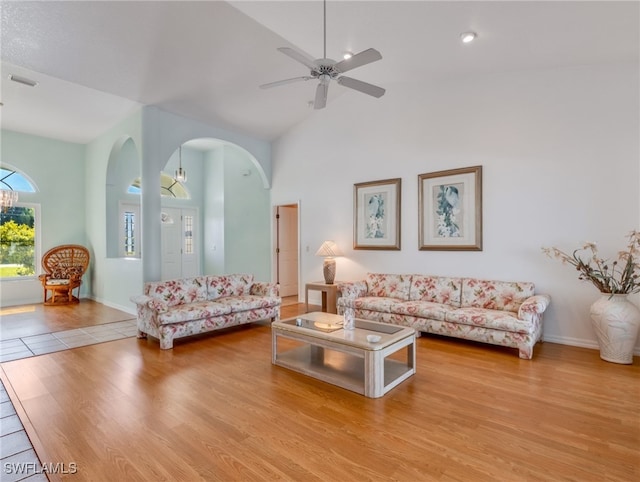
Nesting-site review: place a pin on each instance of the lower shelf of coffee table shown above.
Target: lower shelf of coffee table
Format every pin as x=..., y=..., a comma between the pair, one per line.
x=344, y=370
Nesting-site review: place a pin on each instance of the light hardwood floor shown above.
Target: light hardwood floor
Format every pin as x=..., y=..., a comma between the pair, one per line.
x=37, y=319
x=215, y=408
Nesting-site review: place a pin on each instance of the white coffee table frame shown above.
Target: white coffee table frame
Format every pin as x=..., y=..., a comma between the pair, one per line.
x=345, y=357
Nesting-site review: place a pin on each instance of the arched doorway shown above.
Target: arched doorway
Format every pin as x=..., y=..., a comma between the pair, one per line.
x=122, y=207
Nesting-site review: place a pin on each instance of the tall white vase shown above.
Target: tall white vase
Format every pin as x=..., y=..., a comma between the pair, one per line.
x=616, y=322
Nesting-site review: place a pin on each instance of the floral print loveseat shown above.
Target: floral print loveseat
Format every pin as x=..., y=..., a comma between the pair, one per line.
x=497, y=312
x=182, y=307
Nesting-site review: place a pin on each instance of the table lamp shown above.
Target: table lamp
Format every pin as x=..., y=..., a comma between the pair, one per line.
x=329, y=250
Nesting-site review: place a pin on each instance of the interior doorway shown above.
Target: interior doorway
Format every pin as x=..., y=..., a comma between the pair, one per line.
x=287, y=249
x=180, y=249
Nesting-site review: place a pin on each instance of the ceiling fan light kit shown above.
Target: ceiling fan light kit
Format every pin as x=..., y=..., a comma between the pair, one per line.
x=324, y=70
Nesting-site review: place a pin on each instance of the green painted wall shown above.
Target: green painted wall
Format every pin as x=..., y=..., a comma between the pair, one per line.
x=57, y=169
x=213, y=226
x=247, y=231
x=114, y=279
x=79, y=187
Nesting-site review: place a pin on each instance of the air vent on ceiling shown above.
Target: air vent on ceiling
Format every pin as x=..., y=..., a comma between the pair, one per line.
x=23, y=80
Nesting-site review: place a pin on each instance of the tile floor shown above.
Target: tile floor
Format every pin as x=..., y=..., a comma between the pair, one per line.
x=28, y=346
x=18, y=460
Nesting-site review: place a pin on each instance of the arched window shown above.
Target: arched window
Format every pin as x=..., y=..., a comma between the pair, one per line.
x=14, y=181
x=18, y=228
x=169, y=187
x=130, y=213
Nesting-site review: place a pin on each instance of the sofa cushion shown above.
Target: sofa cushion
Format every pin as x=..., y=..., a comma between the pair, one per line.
x=372, y=303
x=495, y=295
x=179, y=291
x=66, y=272
x=228, y=285
x=264, y=288
x=494, y=319
x=437, y=289
x=423, y=309
x=57, y=282
x=237, y=304
x=352, y=289
x=193, y=311
x=389, y=285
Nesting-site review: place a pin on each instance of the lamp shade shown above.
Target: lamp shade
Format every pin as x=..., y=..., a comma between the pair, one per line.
x=329, y=249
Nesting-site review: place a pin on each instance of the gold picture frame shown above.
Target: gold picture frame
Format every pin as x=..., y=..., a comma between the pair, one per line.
x=450, y=210
x=376, y=214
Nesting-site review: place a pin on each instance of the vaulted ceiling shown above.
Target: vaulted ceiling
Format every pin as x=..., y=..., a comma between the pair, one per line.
x=97, y=62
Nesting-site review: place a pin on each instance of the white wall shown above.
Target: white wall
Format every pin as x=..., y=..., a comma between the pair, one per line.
x=560, y=156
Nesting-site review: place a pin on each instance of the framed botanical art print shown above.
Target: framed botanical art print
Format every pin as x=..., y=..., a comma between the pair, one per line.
x=376, y=214
x=450, y=207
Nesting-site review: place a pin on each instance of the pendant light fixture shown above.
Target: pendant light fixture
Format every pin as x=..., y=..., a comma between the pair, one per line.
x=8, y=197
x=181, y=174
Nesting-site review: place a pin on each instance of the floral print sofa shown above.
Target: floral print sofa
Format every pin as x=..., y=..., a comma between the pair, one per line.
x=497, y=312
x=182, y=307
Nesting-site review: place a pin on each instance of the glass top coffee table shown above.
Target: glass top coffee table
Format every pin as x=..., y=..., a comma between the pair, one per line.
x=358, y=360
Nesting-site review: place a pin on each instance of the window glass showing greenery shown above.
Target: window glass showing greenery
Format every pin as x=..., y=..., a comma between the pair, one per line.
x=17, y=242
x=169, y=187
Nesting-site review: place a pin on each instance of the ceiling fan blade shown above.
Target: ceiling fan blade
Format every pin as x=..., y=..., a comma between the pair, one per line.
x=363, y=58
x=285, y=81
x=360, y=86
x=300, y=57
x=321, y=95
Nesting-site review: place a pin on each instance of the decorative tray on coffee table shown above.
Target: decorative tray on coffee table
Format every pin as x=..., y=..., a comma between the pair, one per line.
x=327, y=326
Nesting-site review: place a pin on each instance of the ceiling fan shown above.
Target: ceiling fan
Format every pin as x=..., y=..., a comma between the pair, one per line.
x=325, y=70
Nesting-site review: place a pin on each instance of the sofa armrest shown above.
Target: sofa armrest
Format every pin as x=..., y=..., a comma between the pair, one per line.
x=352, y=289
x=144, y=301
x=533, y=307
x=260, y=288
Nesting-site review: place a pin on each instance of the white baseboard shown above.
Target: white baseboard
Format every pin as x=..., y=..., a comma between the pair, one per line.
x=126, y=309
x=29, y=301
x=563, y=340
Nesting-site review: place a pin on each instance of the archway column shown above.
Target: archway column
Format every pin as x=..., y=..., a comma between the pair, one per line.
x=150, y=197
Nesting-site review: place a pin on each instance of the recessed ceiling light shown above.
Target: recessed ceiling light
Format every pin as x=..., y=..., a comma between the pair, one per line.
x=347, y=55
x=468, y=37
x=23, y=80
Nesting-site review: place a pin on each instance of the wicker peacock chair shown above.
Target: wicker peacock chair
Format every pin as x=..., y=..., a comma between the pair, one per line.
x=64, y=267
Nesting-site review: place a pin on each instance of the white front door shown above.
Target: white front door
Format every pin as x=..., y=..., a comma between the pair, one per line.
x=287, y=249
x=179, y=243
x=171, y=244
